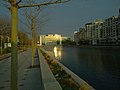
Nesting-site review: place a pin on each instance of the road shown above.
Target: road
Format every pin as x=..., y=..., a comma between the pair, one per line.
x=29, y=78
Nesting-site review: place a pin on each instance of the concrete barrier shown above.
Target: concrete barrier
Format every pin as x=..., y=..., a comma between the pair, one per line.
x=5, y=56
x=8, y=55
x=49, y=81
x=84, y=85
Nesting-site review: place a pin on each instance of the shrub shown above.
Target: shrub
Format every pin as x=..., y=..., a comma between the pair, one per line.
x=6, y=50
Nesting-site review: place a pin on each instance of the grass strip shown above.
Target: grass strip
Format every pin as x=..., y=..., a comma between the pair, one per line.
x=64, y=79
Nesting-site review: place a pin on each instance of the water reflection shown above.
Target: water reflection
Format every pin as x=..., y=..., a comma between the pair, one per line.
x=92, y=59
x=57, y=52
x=99, y=67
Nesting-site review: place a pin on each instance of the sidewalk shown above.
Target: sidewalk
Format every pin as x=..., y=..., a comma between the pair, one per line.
x=28, y=78
x=32, y=79
x=4, y=56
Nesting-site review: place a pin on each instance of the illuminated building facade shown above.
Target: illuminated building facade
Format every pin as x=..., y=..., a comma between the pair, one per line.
x=50, y=39
x=100, y=32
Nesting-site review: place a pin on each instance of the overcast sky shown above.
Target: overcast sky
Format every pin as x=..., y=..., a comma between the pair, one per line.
x=66, y=18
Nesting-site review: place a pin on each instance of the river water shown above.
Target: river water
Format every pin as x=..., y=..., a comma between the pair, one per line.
x=99, y=67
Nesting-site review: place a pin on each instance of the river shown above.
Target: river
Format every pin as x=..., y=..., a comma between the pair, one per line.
x=97, y=66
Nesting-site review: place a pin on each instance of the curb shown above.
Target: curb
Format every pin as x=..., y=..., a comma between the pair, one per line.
x=49, y=81
x=80, y=81
x=5, y=56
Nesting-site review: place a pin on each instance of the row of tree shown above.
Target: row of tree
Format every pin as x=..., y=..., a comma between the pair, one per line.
x=5, y=34
x=13, y=6
x=5, y=26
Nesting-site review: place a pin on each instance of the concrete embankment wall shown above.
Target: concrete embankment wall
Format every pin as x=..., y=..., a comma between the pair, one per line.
x=80, y=81
x=49, y=81
x=84, y=85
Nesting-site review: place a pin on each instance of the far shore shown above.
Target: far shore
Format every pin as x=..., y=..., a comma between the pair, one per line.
x=88, y=46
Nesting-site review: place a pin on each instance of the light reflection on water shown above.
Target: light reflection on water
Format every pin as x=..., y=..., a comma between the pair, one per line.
x=57, y=52
x=99, y=67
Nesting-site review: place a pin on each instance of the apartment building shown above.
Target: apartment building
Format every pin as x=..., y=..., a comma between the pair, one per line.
x=82, y=34
x=76, y=37
x=100, y=32
x=88, y=29
x=96, y=31
x=90, y=34
x=118, y=29
x=110, y=31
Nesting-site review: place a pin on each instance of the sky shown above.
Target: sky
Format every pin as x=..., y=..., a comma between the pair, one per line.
x=68, y=17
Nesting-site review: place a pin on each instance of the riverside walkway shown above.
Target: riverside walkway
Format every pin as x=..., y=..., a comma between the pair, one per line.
x=38, y=77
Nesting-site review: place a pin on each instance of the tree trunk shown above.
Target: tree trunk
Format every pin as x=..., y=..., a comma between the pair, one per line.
x=1, y=45
x=33, y=39
x=14, y=57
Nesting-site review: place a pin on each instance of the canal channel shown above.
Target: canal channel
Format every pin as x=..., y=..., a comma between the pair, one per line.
x=100, y=67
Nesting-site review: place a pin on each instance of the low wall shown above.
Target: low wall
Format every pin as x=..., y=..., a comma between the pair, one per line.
x=84, y=85
x=49, y=81
x=5, y=56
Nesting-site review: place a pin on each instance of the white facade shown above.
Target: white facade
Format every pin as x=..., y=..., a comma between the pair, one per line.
x=50, y=39
x=100, y=32
x=96, y=31
x=110, y=30
x=76, y=37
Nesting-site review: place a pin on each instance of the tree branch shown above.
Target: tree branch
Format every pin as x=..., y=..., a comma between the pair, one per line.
x=18, y=2
x=43, y=4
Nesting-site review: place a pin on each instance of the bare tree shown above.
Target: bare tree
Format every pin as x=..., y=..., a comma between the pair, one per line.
x=23, y=39
x=33, y=23
x=14, y=6
x=4, y=31
x=5, y=26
